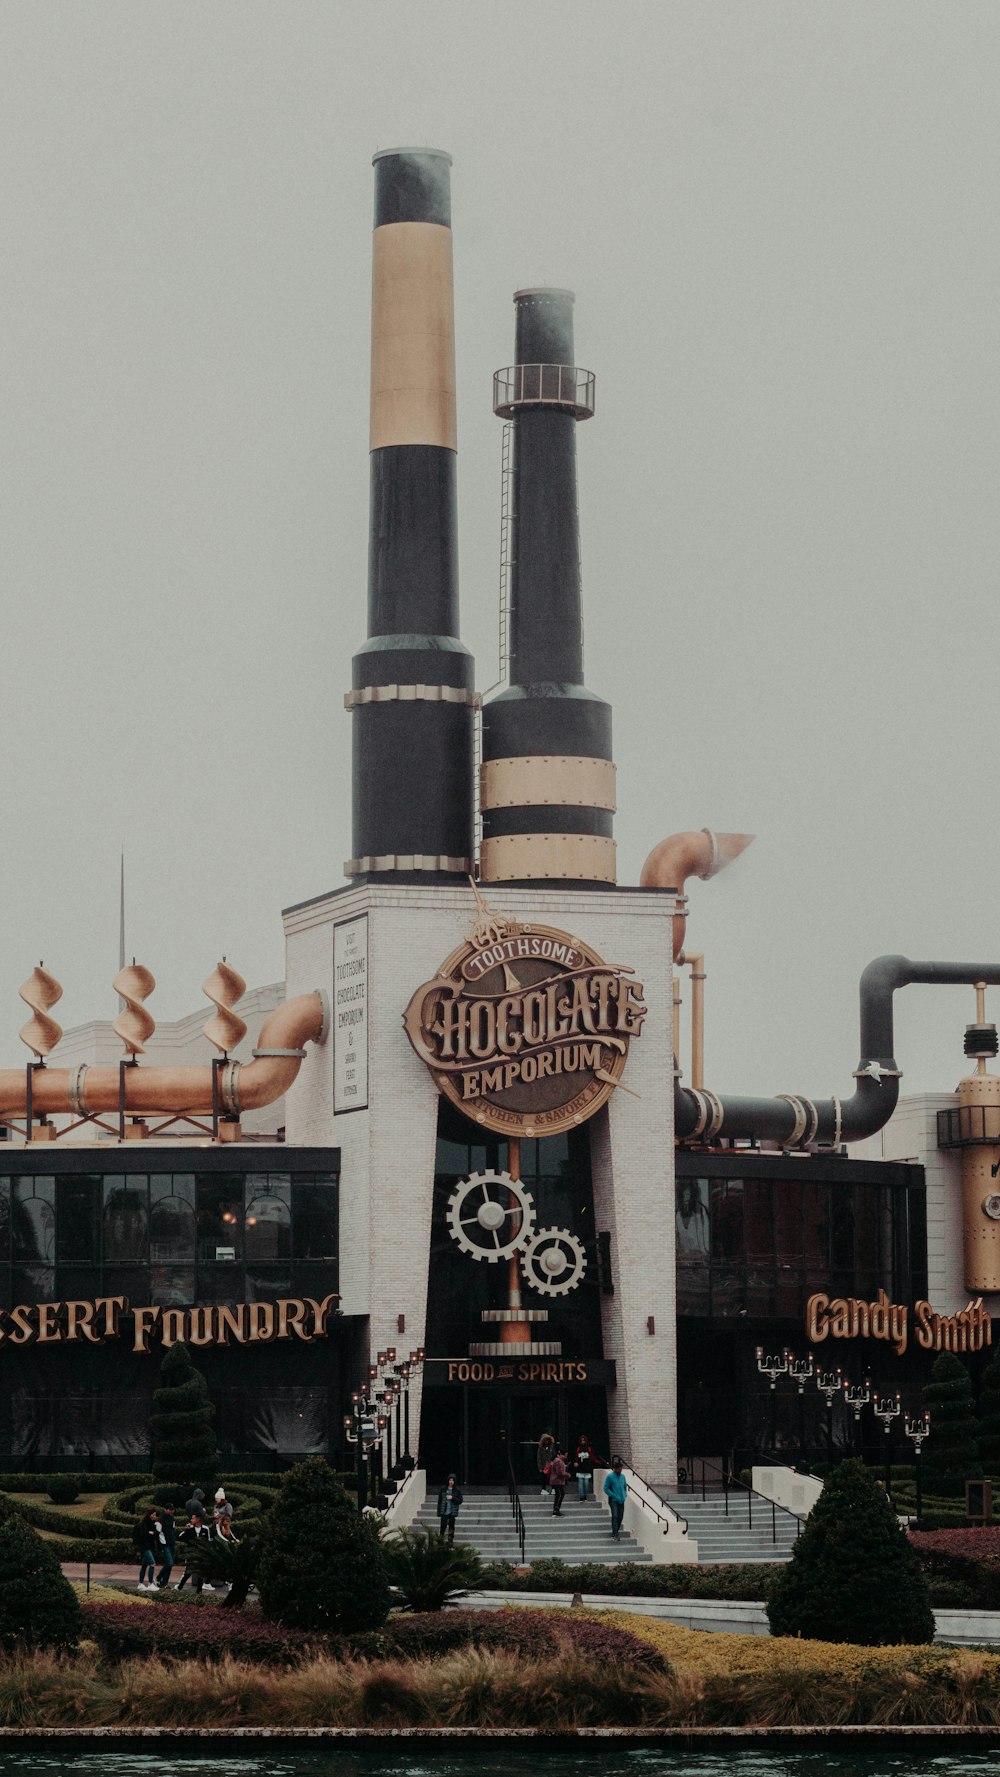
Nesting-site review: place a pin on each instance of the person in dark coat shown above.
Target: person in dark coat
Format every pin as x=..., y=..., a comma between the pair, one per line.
x=166, y=1552
x=148, y=1539
x=543, y=1456
x=194, y=1531
x=449, y=1500
x=583, y=1465
x=558, y=1476
x=195, y=1507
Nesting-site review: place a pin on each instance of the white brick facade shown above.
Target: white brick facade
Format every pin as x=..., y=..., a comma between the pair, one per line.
x=388, y=1150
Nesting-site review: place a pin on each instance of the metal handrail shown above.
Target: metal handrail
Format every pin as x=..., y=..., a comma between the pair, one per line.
x=732, y=1481
x=672, y=1513
x=515, y=1504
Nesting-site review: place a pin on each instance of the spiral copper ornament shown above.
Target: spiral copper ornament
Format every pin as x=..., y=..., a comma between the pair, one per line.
x=134, y=1024
x=225, y=988
x=40, y=991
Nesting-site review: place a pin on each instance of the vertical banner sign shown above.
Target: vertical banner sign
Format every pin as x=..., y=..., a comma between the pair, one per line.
x=350, y=1015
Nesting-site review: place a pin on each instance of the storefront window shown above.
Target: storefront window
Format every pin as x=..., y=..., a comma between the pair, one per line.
x=34, y=1219
x=4, y=1219
x=268, y=1222
x=172, y=1219
x=78, y=1220
x=220, y=1219
x=126, y=1220
x=314, y=1219
x=726, y=1214
x=691, y=1218
x=171, y=1286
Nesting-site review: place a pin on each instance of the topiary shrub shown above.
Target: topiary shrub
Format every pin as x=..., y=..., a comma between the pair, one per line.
x=853, y=1575
x=952, y=1455
x=64, y=1489
x=184, y=1447
x=321, y=1564
x=38, y=1607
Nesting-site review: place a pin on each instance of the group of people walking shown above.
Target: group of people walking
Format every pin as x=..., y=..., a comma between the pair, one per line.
x=156, y=1537
x=555, y=1469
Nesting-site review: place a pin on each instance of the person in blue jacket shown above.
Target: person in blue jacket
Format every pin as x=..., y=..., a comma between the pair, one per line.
x=616, y=1489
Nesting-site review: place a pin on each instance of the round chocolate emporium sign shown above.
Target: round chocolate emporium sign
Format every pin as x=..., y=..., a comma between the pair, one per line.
x=524, y=1027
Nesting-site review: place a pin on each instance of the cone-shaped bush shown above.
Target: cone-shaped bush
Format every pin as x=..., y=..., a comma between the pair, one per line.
x=38, y=1607
x=989, y=1418
x=184, y=1448
x=321, y=1562
x=853, y=1575
x=952, y=1454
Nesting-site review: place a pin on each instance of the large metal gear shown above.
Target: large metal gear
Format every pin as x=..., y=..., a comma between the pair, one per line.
x=490, y=1215
x=553, y=1261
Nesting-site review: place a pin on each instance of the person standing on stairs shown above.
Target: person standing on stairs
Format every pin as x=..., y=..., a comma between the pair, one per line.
x=546, y=1451
x=583, y=1465
x=616, y=1490
x=558, y=1476
x=449, y=1500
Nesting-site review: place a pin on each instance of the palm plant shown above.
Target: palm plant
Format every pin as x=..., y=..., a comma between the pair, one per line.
x=426, y=1570
x=222, y=1563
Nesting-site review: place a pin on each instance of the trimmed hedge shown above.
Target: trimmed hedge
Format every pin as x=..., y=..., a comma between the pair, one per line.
x=121, y=1633
x=90, y=1483
x=632, y=1579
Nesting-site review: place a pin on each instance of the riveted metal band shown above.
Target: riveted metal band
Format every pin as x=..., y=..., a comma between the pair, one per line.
x=397, y=861
x=516, y=857
x=533, y=782
x=279, y=1054
x=806, y=1120
x=710, y=1114
x=838, y=1122
x=408, y=694
x=75, y=1089
x=229, y=1088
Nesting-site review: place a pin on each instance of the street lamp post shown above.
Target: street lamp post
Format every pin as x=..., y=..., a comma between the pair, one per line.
x=772, y=1366
x=800, y=1369
x=856, y=1396
x=887, y=1408
x=828, y=1383
x=917, y=1429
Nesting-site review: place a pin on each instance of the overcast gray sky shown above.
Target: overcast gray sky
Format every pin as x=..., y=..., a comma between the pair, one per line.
x=780, y=221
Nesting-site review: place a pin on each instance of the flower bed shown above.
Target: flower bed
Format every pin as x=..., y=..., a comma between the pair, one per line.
x=122, y=1633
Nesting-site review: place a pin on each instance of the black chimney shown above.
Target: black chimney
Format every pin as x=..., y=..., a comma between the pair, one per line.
x=412, y=697
x=547, y=784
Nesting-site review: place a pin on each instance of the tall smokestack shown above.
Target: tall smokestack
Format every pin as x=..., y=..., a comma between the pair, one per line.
x=412, y=697
x=547, y=789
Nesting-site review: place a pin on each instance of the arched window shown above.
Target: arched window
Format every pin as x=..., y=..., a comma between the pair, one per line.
x=171, y=1220
x=268, y=1222
x=126, y=1221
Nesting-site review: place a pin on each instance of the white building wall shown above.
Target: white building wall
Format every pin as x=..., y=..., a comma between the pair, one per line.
x=388, y=1150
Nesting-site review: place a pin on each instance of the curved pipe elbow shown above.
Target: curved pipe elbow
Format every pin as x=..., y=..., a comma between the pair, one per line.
x=702, y=854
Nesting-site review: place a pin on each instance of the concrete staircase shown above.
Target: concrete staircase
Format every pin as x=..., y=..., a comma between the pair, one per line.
x=582, y=1532
x=731, y=1538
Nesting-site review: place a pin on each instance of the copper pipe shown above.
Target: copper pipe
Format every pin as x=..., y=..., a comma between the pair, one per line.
x=514, y=1332
x=247, y=1086
x=677, y=1018
x=695, y=961
x=701, y=854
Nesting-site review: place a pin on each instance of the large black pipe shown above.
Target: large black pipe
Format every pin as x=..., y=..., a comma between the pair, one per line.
x=794, y=1120
x=412, y=694
x=547, y=792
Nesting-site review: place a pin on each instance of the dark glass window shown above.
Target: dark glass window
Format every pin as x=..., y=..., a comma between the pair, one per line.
x=726, y=1199
x=314, y=1219
x=172, y=1286
x=34, y=1219
x=265, y=1283
x=34, y=1283
x=788, y=1220
x=691, y=1218
x=172, y=1218
x=126, y=1220
x=78, y=1220
x=130, y=1281
x=313, y=1280
x=4, y=1219
x=220, y=1219
x=220, y=1283
x=78, y=1283
x=268, y=1218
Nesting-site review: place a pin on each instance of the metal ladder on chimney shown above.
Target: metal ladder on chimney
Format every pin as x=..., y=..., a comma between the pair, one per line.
x=503, y=637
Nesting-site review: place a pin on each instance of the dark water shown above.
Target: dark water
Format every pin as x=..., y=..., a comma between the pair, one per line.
x=472, y=1759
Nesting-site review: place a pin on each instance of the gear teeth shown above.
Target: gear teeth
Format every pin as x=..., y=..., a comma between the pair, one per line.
x=536, y=1279
x=508, y=1248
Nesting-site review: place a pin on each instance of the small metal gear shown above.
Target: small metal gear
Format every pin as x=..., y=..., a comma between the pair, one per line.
x=490, y=1215
x=553, y=1261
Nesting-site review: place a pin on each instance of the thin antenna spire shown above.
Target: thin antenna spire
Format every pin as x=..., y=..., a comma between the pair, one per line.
x=121, y=927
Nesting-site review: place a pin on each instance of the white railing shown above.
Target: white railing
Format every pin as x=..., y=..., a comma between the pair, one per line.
x=650, y=1521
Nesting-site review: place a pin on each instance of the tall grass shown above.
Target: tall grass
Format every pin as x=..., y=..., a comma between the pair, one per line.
x=477, y=1687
